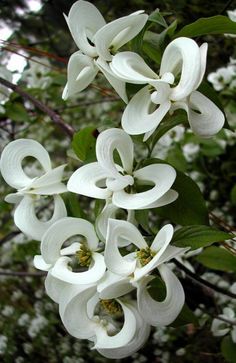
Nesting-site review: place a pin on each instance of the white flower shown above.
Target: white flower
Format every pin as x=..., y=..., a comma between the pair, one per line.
x=57, y=259
x=220, y=328
x=149, y=106
x=105, y=179
x=97, y=41
x=135, y=268
x=232, y=14
x=30, y=189
x=36, y=75
x=86, y=316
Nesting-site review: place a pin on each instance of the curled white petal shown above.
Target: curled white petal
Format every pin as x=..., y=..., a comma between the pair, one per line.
x=112, y=286
x=26, y=220
x=130, y=67
x=81, y=71
x=209, y=121
x=12, y=157
x=95, y=272
x=49, y=183
x=113, y=259
x=123, y=337
x=62, y=230
x=117, y=33
x=54, y=287
x=165, y=312
x=40, y=264
x=182, y=56
x=140, y=337
x=84, y=20
x=161, y=175
x=139, y=116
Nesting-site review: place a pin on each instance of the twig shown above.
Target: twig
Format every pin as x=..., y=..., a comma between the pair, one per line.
x=221, y=222
x=203, y=282
x=226, y=6
x=89, y=103
x=9, y=236
x=51, y=113
x=22, y=274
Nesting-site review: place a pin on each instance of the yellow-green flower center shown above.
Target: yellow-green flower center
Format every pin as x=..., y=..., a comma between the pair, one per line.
x=84, y=256
x=111, y=306
x=145, y=255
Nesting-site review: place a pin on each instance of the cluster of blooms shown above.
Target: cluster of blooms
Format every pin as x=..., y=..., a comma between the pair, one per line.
x=224, y=77
x=98, y=301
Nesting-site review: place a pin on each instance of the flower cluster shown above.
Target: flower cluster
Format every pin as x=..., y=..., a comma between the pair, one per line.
x=101, y=275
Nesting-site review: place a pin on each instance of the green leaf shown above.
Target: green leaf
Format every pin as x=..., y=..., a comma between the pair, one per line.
x=228, y=349
x=189, y=208
x=157, y=18
x=73, y=205
x=166, y=125
x=217, y=258
x=218, y=24
x=186, y=316
x=83, y=144
x=198, y=236
x=17, y=112
x=154, y=44
x=176, y=158
x=142, y=218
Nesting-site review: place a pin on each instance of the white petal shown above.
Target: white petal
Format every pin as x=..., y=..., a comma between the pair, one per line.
x=140, y=337
x=117, y=33
x=168, y=197
x=113, y=259
x=130, y=67
x=54, y=288
x=183, y=56
x=137, y=117
x=61, y=231
x=73, y=311
x=219, y=328
x=49, y=183
x=112, y=286
x=40, y=264
x=165, y=312
x=161, y=175
x=81, y=71
x=11, y=161
x=125, y=335
x=26, y=220
x=118, y=85
x=203, y=55
x=14, y=198
x=211, y=118
x=162, y=239
x=109, y=141
x=109, y=211
x=61, y=271
x=85, y=180
x=71, y=250
x=84, y=20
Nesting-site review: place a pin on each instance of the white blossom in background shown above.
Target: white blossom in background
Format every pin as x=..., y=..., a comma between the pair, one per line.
x=97, y=41
x=4, y=91
x=30, y=189
x=36, y=76
x=220, y=328
x=223, y=77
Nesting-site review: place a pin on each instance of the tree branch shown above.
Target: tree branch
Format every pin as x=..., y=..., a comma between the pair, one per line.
x=22, y=274
x=51, y=113
x=203, y=282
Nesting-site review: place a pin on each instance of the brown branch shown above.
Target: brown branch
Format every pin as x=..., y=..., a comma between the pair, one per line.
x=221, y=222
x=22, y=274
x=51, y=113
x=203, y=282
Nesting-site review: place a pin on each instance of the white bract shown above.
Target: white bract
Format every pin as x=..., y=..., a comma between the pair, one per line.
x=58, y=259
x=86, y=316
x=105, y=179
x=97, y=41
x=165, y=92
x=36, y=76
x=135, y=267
x=29, y=189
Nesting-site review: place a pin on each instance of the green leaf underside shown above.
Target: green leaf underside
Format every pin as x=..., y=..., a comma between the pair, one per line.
x=218, y=24
x=217, y=258
x=197, y=236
